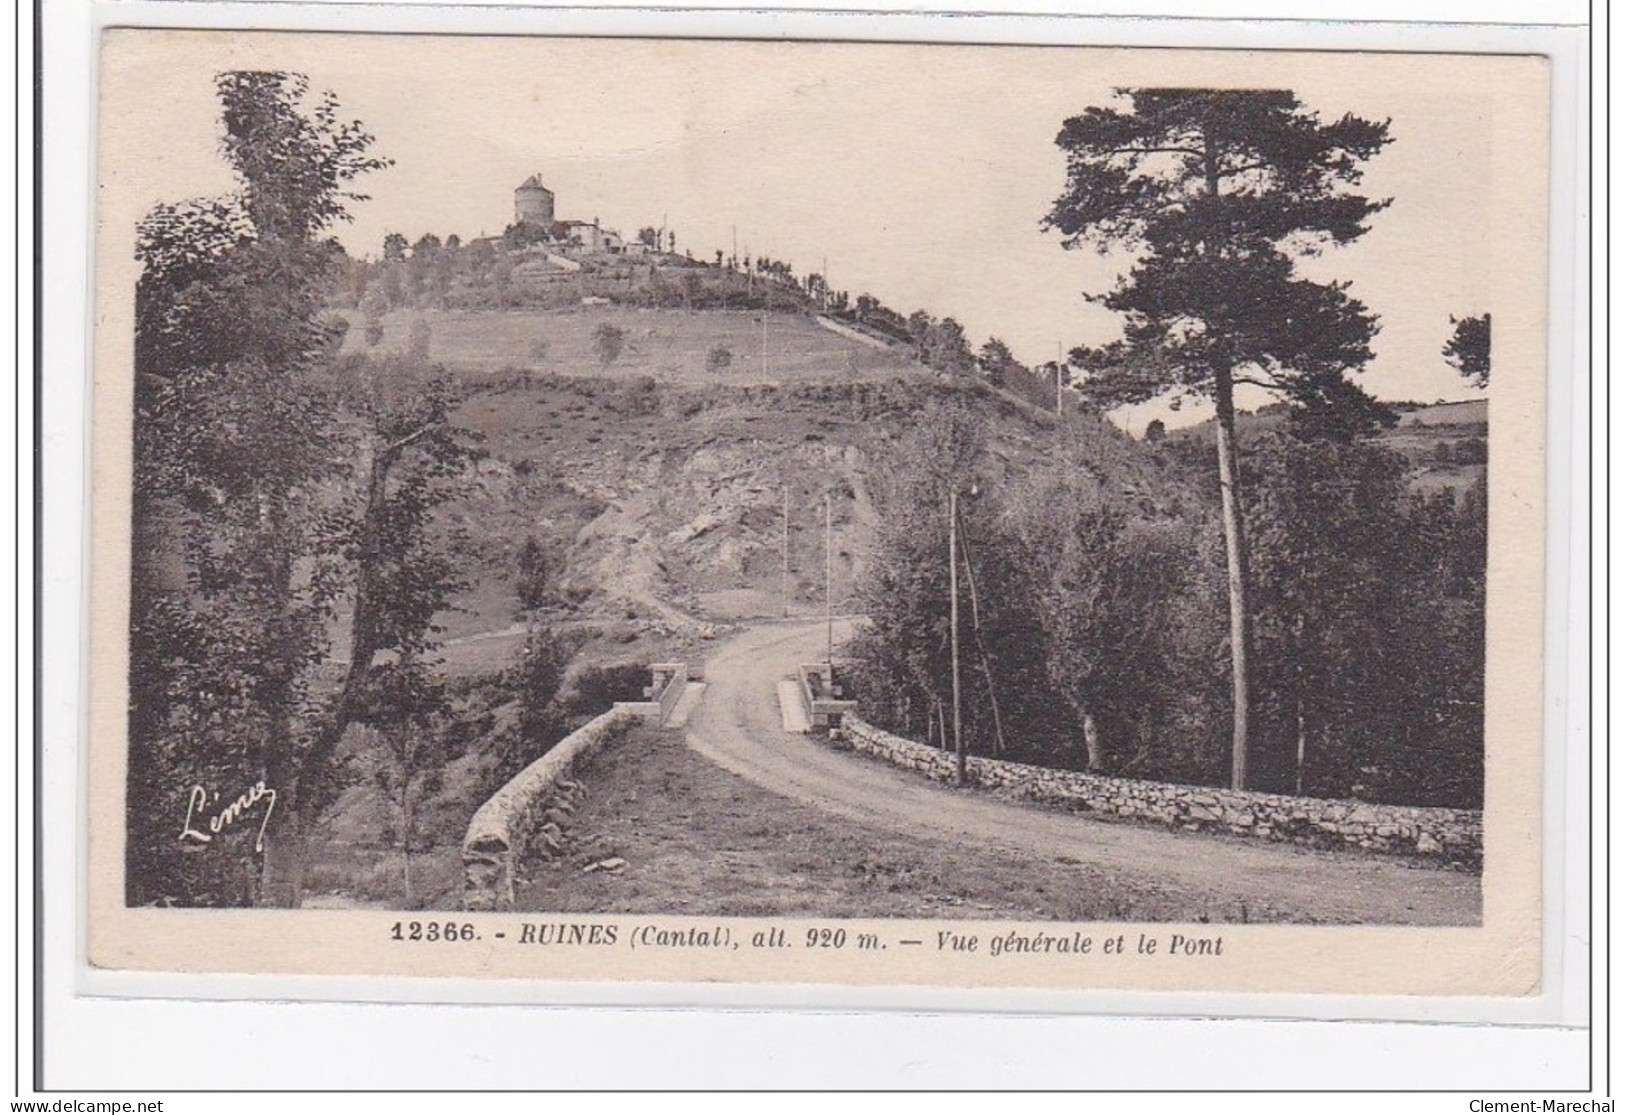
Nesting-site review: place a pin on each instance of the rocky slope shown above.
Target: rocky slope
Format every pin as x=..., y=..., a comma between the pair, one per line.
x=664, y=504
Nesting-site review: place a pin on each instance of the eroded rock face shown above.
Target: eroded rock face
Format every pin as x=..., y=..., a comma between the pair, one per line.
x=1455, y=835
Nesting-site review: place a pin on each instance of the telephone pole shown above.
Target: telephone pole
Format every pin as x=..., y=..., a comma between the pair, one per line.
x=829, y=579
x=784, y=572
x=1058, y=367
x=953, y=625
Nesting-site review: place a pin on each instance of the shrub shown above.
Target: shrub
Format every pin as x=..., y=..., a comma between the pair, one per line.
x=538, y=573
x=599, y=687
x=418, y=339
x=718, y=359
x=608, y=341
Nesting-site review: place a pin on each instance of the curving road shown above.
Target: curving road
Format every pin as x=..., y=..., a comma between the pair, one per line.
x=738, y=727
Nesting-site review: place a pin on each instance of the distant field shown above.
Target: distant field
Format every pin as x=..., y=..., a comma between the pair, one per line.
x=669, y=344
x=1469, y=413
x=1434, y=438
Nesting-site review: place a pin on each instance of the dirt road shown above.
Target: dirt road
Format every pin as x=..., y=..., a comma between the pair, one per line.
x=738, y=727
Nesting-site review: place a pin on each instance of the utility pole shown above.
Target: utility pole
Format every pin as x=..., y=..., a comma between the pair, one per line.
x=784, y=571
x=829, y=580
x=953, y=625
x=1058, y=367
x=981, y=646
x=764, y=337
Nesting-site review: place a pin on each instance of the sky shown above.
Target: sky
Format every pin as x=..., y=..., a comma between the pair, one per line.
x=919, y=174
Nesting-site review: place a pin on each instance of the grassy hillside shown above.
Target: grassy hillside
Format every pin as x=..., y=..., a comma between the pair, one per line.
x=671, y=345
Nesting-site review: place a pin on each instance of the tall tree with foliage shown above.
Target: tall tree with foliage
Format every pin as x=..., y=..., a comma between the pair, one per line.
x=1468, y=349
x=1216, y=194
x=237, y=539
x=1369, y=659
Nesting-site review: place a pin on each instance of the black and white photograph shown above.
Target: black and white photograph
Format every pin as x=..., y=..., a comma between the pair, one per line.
x=818, y=511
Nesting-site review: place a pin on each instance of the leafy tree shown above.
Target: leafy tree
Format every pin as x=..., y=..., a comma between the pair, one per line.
x=1156, y=430
x=419, y=337
x=1125, y=614
x=271, y=482
x=1369, y=671
x=481, y=256
x=1468, y=349
x=411, y=462
x=541, y=677
x=649, y=237
x=235, y=440
x=1215, y=193
x=907, y=651
x=373, y=308
x=1473, y=451
x=523, y=234
x=395, y=246
x=407, y=712
x=1338, y=410
x=996, y=360
x=608, y=341
x=391, y=284
x=538, y=573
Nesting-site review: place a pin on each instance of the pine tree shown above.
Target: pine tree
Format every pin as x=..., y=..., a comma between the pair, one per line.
x=1216, y=193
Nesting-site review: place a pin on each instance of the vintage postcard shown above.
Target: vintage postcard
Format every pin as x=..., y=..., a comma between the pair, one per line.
x=818, y=513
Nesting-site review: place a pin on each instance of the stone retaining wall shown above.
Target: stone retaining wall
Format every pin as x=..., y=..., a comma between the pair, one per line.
x=529, y=810
x=1454, y=835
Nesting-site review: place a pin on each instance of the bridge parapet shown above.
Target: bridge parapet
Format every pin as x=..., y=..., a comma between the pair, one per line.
x=528, y=814
x=825, y=706
x=670, y=680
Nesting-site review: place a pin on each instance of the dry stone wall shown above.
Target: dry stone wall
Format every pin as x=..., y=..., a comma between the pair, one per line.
x=529, y=813
x=1447, y=835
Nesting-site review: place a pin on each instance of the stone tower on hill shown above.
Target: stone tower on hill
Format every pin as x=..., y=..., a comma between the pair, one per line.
x=533, y=203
